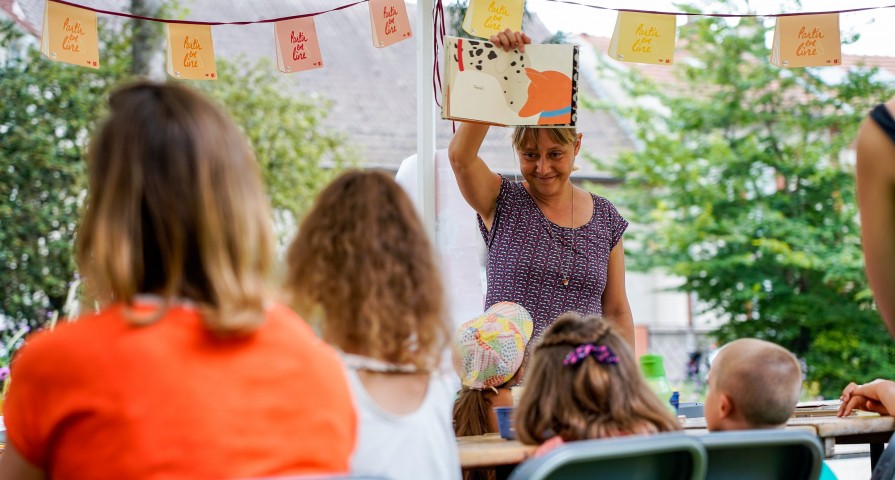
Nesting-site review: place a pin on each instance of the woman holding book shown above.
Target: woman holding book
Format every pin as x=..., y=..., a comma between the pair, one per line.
x=552, y=247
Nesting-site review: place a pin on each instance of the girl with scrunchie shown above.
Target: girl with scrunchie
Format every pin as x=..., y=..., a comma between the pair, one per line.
x=583, y=383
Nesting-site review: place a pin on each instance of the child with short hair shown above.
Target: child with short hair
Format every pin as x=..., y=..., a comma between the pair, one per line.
x=363, y=262
x=488, y=354
x=753, y=384
x=584, y=383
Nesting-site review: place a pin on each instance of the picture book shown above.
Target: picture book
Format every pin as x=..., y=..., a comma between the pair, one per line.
x=484, y=83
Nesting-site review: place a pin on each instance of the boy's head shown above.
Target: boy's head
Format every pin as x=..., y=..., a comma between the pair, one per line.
x=752, y=384
x=489, y=349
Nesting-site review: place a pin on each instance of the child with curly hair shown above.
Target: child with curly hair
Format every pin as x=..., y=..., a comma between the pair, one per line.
x=363, y=266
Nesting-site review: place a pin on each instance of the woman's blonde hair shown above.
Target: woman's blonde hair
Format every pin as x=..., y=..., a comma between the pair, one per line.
x=525, y=137
x=589, y=399
x=362, y=257
x=175, y=207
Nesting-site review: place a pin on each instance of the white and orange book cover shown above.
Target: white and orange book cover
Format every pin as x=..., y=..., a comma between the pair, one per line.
x=484, y=83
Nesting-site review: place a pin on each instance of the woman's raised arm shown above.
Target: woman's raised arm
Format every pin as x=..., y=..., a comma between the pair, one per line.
x=478, y=184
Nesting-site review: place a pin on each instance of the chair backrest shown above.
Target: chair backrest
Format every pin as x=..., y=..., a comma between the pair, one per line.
x=664, y=456
x=885, y=466
x=763, y=454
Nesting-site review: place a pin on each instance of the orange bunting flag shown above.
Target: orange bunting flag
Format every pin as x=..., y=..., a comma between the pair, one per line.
x=297, y=46
x=643, y=38
x=389, y=21
x=807, y=41
x=488, y=17
x=191, y=52
x=69, y=35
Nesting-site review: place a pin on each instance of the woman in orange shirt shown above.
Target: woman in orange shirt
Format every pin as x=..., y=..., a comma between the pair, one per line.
x=189, y=369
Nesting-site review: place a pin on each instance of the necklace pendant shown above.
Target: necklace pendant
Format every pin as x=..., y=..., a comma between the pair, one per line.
x=565, y=281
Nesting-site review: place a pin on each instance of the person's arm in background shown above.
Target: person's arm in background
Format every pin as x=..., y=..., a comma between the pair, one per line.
x=876, y=199
x=478, y=184
x=877, y=396
x=616, y=308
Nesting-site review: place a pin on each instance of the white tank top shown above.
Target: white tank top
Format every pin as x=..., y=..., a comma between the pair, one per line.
x=418, y=445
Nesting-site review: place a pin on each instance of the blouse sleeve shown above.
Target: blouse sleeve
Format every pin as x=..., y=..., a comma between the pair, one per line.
x=617, y=224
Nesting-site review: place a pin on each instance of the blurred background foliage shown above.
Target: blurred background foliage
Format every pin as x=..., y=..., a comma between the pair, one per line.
x=49, y=112
x=743, y=187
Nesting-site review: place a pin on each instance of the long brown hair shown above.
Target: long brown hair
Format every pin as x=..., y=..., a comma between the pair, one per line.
x=472, y=408
x=590, y=399
x=471, y=412
x=175, y=207
x=362, y=257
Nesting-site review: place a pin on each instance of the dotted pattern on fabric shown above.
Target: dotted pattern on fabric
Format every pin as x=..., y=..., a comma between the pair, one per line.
x=527, y=253
x=489, y=349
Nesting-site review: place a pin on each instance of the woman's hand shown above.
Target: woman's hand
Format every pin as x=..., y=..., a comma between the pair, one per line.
x=877, y=396
x=509, y=40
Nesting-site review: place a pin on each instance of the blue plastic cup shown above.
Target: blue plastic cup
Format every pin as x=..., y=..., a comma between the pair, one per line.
x=505, y=422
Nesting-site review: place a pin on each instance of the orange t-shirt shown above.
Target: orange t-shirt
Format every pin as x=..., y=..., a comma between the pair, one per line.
x=102, y=398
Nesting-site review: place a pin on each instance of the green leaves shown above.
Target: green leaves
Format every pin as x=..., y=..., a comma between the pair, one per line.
x=50, y=111
x=743, y=188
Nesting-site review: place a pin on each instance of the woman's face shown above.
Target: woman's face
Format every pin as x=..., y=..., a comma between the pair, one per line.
x=547, y=167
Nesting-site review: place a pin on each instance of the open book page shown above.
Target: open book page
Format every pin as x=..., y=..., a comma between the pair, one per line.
x=819, y=408
x=484, y=83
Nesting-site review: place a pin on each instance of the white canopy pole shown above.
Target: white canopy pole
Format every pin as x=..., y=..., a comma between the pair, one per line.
x=425, y=113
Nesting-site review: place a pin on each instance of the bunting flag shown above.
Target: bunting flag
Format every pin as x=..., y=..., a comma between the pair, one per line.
x=191, y=52
x=297, y=46
x=643, y=38
x=485, y=18
x=807, y=41
x=69, y=35
x=389, y=21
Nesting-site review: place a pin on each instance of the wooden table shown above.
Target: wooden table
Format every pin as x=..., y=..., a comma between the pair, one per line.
x=490, y=450
x=863, y=427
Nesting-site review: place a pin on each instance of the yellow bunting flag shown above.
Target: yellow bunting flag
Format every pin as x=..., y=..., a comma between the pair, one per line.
x=807, y=41
x=487, y=17
x=389, y=21
x=69, y=35
x=191, y=52
x=643, y=38
x=297, y=46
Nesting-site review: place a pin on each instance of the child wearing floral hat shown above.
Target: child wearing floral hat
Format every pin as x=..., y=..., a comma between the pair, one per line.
x=488, y=353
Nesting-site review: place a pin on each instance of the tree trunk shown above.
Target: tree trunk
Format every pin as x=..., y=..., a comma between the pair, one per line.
x=146, y=38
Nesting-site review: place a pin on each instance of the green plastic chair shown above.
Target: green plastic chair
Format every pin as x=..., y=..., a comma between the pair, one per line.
x=664, y=456
x=763, y=455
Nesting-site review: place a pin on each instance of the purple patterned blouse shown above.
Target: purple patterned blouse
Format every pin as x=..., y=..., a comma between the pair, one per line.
x=530, y=256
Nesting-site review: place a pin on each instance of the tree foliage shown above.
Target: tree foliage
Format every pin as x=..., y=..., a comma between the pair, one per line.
x=743, y=187
x=49, y=112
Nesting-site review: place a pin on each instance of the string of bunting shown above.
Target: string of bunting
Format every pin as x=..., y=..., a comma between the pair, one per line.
x=643, y=36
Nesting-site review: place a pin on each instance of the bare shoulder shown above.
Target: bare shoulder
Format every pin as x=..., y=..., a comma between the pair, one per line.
x=875, y=150
x=396, y=393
